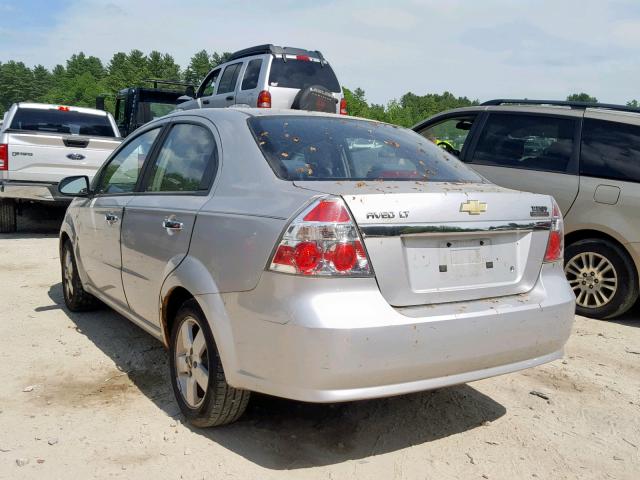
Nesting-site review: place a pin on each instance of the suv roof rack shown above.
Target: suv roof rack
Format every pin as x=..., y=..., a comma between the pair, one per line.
x=560, y=103
x=274, y=50
x=157, y=81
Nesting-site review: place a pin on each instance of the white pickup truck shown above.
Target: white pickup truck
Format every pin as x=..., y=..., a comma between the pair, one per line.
x=41, y=144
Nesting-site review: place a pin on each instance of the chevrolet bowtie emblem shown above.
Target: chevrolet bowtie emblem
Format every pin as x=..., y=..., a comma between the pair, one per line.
x=473, y=207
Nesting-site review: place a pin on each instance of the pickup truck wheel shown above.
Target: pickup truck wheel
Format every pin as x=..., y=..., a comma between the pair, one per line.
x=602, y=276
x=199, y=384
x=75, y=297
x=7, y=216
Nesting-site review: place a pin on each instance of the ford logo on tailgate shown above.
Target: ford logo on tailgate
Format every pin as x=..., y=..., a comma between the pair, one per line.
x=75, y=156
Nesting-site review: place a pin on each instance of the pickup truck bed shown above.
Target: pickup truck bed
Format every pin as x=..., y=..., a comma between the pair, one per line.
x=41, y=144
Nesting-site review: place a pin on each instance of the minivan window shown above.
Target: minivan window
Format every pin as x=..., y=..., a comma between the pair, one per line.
x=229, y=78
x=251, y=74
x=325, y=148
x=62, y=121
x=302, y=74
x=450, y=134
x=534, y=142
x=610, y=150
x=183, y=161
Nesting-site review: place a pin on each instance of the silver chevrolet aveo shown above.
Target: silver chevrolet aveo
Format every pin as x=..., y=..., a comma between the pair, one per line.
x=313, y=257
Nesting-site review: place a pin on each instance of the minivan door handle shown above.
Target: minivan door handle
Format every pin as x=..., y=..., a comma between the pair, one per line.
x=172, y=225
x=111, y=218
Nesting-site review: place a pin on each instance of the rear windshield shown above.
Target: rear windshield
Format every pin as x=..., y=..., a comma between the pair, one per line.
x=302, y=74
x=60, y=121
x=325, y=148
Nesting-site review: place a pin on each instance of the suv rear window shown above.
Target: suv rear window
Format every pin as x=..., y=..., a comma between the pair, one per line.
x=302, y=74
x=59, y=121
x=325, y=148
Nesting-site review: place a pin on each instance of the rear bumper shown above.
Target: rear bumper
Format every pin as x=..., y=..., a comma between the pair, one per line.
x=38, y=191
x=328, y=340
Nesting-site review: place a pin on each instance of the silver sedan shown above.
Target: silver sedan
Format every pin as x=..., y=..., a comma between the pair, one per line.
x=313, y=257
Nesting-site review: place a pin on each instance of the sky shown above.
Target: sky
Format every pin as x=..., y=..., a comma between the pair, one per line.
x=481, y=49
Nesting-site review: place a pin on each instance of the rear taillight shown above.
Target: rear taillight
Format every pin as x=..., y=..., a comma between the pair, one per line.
x=4, y=156
x=322, y=240
x=343, y=106
x=303, y=58
x=555, y=244
x=264, y=99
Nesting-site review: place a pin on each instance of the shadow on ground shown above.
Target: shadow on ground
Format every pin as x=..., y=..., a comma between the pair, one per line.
x=283, y=434
x=631, y=318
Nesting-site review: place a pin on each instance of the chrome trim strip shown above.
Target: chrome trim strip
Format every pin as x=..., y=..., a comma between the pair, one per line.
x=427, y=229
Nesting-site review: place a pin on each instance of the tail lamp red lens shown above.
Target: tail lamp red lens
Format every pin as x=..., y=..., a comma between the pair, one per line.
x=4, y=156
x=264, y=99
x=555, y=244
x=323, y=240
x=304, y=58
x=343, y=107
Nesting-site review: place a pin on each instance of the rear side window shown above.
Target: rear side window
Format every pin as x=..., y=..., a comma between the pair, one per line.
x=450, y=134
x=610, y=150
x=61, y=121
x=302, y=74
x=251, y=74
x=326, y=148
x=185, y=161
x=229, y=78
x=532, y=142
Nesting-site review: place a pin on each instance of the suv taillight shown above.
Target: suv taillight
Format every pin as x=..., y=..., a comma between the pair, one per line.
x=4, y=156
x=343, y=106
x=555, y=244
x=264, y=99
x=324, y=241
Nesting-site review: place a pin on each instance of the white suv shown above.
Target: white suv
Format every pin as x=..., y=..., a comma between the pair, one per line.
x=267, y=76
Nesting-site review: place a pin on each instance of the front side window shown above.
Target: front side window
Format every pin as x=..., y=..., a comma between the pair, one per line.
x=533, y=142
x=207, y=88
x=610, y=150
x=229, y=78
x=450, y=134
x=251, y=74
x=122, y=172
x=184, y=162
x=327, y=148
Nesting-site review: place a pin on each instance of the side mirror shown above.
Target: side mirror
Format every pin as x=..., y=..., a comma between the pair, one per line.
x=184, y=98
x=76, y=186
x=190, y=91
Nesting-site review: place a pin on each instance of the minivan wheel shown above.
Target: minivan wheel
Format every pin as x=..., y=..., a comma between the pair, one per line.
x=199, y=384
x=7, y=215
x=75, y=297
x=602, y=277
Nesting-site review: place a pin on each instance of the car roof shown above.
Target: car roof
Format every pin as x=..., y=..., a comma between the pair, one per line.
x=605, y=112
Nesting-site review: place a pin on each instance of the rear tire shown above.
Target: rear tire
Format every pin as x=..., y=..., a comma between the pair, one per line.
x=7, y=216
x=602, y=276
x=199, y=383
x=75, y=297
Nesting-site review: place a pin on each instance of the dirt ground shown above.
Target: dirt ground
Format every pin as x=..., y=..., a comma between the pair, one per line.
x=88, y=396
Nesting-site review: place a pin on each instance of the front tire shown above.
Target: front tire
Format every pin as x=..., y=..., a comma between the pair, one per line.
x=8, y=223
x=602, y=276
x=199, y=383
x=75, y=297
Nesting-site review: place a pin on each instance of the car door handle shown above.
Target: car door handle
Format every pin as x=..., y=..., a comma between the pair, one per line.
x=230, y=97
x=111, y=218
x=206, y=102
x=172, y=225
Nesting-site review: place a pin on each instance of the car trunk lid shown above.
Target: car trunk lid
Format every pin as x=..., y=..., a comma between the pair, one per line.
x=439, y=242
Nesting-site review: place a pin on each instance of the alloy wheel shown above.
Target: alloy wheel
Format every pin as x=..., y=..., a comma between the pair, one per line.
x=191, y=363
x=593, y=278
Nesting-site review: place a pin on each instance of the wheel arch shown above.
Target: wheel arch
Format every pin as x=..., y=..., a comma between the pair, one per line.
x=585, y=234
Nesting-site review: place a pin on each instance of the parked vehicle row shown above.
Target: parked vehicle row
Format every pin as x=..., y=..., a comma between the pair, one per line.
x=40, y=144
x=587, y=156
x=313, y=257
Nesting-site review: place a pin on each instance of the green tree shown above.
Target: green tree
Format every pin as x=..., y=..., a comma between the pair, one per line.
x=199, y=65
x=162, y=66
x=633, y=103
x=581, y=97
x=16, y=84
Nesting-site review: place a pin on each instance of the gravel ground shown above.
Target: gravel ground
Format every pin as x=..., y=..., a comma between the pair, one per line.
x=88, y=396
